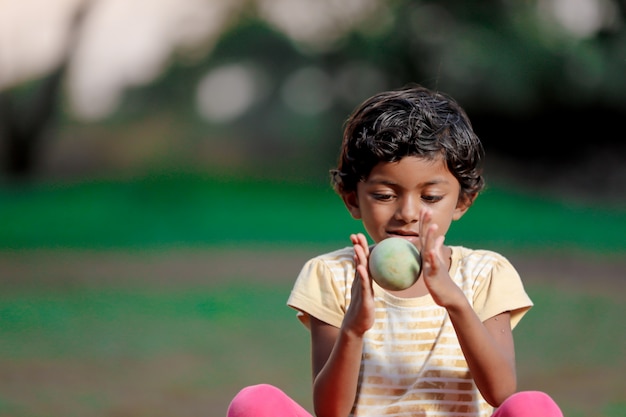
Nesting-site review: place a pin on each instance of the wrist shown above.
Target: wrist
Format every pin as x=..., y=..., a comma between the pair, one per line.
x=349, y=333
x=457, y=302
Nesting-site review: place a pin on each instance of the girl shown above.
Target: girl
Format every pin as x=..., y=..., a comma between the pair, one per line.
x=410, y=166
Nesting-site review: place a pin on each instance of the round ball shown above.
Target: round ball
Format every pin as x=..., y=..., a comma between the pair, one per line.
x=395, y=264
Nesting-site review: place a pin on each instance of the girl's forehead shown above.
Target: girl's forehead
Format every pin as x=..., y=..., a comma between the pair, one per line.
x=413, y=164
x=411, y=169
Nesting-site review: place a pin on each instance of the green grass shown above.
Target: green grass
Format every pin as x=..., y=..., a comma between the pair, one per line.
x=221, y=337
x=121, y=350
x=193, y=210
x=561, y=314
x=84, y=323
x=248, y=335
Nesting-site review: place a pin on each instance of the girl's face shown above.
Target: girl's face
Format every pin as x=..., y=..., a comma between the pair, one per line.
x=389, y=201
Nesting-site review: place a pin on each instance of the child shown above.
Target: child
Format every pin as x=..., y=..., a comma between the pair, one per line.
x=410, y=165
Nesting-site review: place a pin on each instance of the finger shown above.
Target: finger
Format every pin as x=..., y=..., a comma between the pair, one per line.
x=363, y=275
x=429, y=237
x=430, y=249
x=362, y=240
x=439, y=244
x=426, y=214
x=425, y=221
x=367, y=287
x=422, y=221
x=360, y=255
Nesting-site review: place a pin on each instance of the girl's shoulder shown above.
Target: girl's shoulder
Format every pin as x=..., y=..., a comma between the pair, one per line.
x=336, y=255
x=337, y=259
x=469, y=254
x=337, y=264
x=475, y=260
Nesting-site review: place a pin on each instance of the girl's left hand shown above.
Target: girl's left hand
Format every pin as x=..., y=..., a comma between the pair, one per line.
x=435, y=263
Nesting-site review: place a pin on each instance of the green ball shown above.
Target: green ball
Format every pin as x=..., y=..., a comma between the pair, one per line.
x=395, y=264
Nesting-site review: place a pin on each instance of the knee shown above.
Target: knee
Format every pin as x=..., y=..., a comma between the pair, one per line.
x=529, y=403
x=254, y=400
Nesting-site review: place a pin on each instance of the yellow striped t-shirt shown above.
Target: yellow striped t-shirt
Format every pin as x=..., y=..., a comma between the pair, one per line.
x=412, y=364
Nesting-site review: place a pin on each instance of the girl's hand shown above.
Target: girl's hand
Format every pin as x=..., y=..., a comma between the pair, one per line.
x=360, y=315
x=435, y=263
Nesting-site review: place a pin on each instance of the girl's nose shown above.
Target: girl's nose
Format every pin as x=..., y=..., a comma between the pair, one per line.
x=408, y=210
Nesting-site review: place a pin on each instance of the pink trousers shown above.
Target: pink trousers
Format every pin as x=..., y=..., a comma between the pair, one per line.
x=265, y=400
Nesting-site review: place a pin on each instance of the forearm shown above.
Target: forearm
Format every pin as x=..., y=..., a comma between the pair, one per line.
x=491, y=362
x=334, y=387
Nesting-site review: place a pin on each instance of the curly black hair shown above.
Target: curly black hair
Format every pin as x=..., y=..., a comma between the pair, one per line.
x=410, y=121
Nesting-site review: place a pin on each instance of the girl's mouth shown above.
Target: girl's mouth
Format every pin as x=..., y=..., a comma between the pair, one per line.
x=410, y=236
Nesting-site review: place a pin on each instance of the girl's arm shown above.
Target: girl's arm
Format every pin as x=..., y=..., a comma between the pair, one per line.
x=487, y=346
x=336, y=361
x=489, y=351
x=336, y=353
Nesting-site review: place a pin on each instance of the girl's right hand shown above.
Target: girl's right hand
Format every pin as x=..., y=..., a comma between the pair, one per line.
x=360, y=315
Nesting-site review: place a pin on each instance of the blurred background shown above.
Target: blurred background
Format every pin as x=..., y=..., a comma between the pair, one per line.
x=164, y=175
x=105, y=88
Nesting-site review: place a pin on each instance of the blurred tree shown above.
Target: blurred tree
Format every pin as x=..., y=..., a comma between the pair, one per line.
x=545, y=95
x=532, y=74
x=28, y=111
x=26, y=114
x=99, y=47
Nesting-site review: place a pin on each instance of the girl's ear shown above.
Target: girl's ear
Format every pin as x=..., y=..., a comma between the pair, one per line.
x=351, y=200
x=464, y=203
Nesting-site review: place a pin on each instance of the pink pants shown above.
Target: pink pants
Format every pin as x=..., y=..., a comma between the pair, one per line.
x=265, y=400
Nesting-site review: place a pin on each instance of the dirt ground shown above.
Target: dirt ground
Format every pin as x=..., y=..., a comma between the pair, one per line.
x=604, y=276
x=592, y=274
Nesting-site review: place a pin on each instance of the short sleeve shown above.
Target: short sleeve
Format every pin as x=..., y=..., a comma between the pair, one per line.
x=322, y=287
x=500, y=290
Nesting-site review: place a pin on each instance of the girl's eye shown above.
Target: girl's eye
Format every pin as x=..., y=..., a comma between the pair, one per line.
x=382, y=197
x=432, y=198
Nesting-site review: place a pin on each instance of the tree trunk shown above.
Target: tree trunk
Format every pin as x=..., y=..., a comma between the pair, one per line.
x=24, y=119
